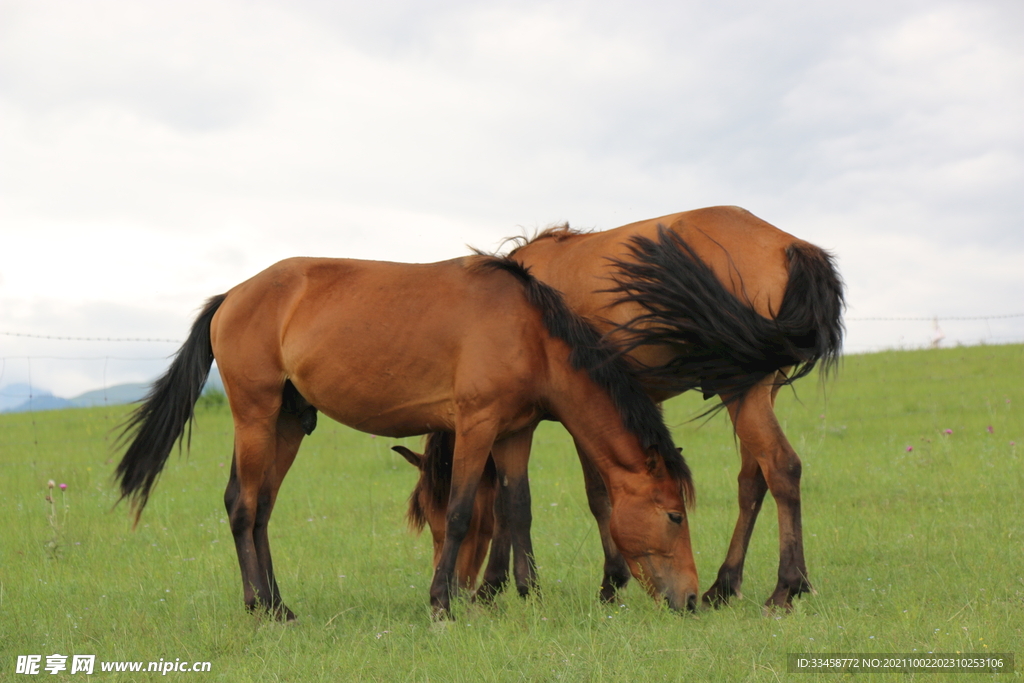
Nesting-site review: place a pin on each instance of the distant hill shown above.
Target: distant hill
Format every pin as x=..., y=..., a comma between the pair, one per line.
x=14, y=398
x=19, y=397
x=15, y=394
x=115, y=395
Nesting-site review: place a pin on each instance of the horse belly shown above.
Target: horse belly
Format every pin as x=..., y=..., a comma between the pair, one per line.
x=375, y=392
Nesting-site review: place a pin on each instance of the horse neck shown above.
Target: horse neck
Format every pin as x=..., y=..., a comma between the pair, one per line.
x=589, y=415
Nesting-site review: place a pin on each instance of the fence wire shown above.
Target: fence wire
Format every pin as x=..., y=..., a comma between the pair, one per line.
x=26, y=379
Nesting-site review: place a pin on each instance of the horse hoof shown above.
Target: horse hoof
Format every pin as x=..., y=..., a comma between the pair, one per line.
x=777, y=603
x=717, y=596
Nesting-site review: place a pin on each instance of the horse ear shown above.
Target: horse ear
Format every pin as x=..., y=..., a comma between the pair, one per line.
x=415, y=459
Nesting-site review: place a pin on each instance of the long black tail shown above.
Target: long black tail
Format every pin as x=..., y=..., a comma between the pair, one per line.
x=725, y=347
x=161, y=419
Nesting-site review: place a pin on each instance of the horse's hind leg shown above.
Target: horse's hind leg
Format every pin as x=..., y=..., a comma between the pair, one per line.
x=262, y=457
x=769, y=463
x=241, y=499
x=290, y=430
x=752, y=488
x=783, y=477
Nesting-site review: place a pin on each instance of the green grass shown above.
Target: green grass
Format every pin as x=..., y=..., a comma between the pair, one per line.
x=910, y=550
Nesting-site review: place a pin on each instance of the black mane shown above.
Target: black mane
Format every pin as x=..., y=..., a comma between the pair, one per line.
x=606, y=367
x=556, y=232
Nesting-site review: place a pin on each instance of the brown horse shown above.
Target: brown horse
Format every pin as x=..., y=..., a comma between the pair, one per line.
x=473, y=346
x=717, y=300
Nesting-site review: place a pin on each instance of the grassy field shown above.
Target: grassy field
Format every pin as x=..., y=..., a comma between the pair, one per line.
x=913, y=520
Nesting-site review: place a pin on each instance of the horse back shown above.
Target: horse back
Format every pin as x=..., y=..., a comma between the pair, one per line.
x=389, y=348
x=747, y=255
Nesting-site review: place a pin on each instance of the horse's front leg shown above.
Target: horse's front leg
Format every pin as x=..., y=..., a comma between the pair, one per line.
x=471, y=450
x=616, y=571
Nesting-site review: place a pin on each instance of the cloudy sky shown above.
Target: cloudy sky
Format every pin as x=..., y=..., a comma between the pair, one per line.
x=155, y=153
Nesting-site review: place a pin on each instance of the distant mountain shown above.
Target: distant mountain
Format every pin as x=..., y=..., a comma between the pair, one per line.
x=15, y=398
x=14, y=395
x=115, y=395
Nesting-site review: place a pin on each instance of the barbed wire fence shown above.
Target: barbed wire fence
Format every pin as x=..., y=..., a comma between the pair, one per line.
x=121, y=377
x=908, y=333
x=110, y=369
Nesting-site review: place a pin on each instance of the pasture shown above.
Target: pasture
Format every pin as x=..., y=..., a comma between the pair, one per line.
x=913, y=525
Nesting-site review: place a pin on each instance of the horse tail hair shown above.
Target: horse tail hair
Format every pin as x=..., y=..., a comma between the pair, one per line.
x=726, y=347
x=161, y=418
x=607, y=369
x=811, y=314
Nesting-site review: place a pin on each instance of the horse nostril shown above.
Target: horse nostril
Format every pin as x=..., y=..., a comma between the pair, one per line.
x=691, y=602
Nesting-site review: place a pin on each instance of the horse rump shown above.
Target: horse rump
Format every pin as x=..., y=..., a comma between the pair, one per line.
x=725, y=346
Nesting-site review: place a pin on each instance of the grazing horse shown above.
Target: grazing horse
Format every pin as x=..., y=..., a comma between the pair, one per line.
x=717, y=300
x=473, y=346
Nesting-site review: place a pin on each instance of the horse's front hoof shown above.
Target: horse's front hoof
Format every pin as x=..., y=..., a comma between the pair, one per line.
x=719, y=595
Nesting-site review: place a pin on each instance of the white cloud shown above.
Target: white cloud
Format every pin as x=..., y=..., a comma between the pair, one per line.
x=158, y=153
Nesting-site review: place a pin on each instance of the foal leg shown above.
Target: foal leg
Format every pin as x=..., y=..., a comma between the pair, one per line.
x=616, y=571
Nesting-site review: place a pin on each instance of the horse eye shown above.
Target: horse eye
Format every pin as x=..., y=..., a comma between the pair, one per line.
x=675, y=517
